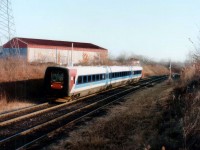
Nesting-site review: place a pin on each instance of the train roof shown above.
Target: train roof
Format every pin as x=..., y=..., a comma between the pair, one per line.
x=84, y=70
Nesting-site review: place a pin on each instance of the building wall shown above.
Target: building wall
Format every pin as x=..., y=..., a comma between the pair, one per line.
x=61, y=56
x=13, y=51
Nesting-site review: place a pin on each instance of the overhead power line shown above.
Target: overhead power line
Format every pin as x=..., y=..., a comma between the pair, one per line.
x=7, y=26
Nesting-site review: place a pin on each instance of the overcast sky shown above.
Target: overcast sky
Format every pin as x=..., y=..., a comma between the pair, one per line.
x=158, y=29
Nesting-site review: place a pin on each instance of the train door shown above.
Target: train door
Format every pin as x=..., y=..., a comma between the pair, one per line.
x=131, y=69
x=72, y=79
x=109, y=75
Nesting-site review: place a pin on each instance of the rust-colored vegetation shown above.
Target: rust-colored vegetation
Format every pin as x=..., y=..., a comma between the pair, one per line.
x=20, y=83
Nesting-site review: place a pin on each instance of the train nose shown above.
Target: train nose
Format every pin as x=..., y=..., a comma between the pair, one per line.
x=57, y=86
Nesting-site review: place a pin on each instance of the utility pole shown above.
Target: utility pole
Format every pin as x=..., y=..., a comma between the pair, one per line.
x=170, y=71
x=72, y=54
x=7, y=26
x=56, y=56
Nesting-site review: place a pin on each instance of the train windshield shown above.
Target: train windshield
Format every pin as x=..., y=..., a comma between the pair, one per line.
x=57, y=76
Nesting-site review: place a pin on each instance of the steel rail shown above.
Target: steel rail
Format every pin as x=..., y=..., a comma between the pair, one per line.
x=52, y=133
x=38, y=127
x=9, y=119
x=14, y=112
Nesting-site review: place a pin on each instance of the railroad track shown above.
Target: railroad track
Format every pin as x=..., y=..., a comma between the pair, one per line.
x=31, y=109
x=23, y=129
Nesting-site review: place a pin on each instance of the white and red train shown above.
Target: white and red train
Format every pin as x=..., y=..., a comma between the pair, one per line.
x=74, y=82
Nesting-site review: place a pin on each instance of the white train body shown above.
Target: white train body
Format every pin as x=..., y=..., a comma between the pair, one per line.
x=84, y=80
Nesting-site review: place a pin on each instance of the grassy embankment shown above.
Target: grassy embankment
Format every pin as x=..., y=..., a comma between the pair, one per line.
x=20, y=83
x=164, y=117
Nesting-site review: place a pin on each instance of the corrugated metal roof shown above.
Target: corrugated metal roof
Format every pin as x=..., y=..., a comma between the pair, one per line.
x=59, y=43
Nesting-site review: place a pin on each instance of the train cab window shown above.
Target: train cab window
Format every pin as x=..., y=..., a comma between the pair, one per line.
x=93, y=78
x=57, y=76
x=79, y=79
x=89, y=78
x=84, y=79
x=97, y=77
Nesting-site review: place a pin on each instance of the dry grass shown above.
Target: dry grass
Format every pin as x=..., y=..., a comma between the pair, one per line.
x=20, y=82
x=188, y=74
x=17, y=69
x=127, y=126
x=156, y=69
x=5, y=106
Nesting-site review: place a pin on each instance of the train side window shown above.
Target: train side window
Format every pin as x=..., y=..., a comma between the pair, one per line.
x=84, y=79
x=113, y=75
x=110, y=75
x=93, y=78
x=89, y=78
x=79, y=79
x=97, y=77
x=101, y=77
x=139, y=72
